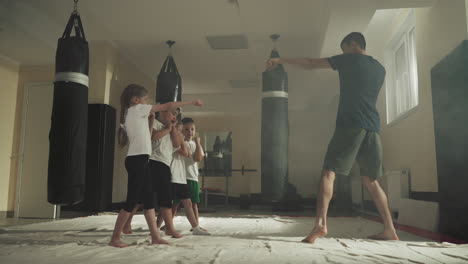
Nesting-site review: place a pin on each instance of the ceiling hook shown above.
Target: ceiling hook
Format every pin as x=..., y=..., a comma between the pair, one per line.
x=170, y=43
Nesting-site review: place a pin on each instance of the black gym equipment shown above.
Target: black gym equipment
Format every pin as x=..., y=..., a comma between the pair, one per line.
x=449, y=85
x=275, y=131
x=69, y=124
x=100, y=157
x=169, y=81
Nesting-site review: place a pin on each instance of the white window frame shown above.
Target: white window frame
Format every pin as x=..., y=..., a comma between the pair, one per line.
x=396, y=108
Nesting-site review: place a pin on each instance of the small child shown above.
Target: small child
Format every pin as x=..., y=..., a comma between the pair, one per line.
x=164, y=140
x=196, y=154
x=179, y=183
x=136, y=119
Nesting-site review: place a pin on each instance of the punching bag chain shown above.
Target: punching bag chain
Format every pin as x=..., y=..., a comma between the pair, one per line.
x=75, y=6
x=274, y=38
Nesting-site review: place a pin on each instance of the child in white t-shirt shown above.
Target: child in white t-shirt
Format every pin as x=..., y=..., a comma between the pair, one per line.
x=164, y=140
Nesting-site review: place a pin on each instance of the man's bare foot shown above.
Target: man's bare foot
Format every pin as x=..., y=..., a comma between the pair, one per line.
x=172, y=233
x=385, y=235
x=160, y=241
x=316, y=233
x=117, y=244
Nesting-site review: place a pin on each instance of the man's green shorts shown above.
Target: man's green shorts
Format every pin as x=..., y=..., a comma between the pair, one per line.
x=193, y=190
x=355, y=144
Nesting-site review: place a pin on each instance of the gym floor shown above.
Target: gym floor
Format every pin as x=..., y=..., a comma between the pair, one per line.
x=254, y=236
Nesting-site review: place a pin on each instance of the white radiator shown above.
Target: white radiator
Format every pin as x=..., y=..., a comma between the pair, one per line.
x=421, y=214
x=356, y=191
x=398, y=187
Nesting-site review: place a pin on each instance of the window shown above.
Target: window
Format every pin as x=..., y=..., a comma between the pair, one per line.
x=402, y=73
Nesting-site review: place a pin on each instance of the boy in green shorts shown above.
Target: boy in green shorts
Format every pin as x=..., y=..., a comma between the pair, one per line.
x=356, y=135
x=196, y=154
x=180, y=190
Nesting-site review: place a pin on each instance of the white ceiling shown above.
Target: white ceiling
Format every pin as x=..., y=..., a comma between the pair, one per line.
x=139, y=28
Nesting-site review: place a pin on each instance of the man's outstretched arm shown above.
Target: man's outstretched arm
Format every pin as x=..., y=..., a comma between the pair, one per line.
x=306, y=63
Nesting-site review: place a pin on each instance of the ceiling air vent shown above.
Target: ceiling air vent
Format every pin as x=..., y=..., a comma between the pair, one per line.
x=226, y=42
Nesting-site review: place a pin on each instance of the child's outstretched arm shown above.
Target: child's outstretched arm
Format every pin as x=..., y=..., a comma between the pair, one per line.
x=306, y=63
x=198, y=154
x=158, y=134
x=175, y=105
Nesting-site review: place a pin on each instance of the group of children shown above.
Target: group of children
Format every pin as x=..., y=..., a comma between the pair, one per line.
x=161, y=163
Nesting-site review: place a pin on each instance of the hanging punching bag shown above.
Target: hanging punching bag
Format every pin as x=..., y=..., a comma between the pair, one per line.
x=275, y=132
x=169, y=82
x=67, y=137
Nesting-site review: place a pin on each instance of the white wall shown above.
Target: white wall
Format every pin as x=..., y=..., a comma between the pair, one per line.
x=466, y=15
x=9, y=72
x=119, y=72
x=410, y=142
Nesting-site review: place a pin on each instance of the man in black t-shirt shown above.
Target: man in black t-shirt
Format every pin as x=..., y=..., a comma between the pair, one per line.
x=356, y=136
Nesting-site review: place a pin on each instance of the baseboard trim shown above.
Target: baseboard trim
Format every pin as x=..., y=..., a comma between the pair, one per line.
x=7, y=214
x=436, y=236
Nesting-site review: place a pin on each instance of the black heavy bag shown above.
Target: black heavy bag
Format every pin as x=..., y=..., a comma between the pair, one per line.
x=169, y=83
x=67, y=137
x=275, y=132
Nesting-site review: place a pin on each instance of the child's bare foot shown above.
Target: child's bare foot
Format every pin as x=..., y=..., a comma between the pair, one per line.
x=198, y=231
x=316, y=233
x=385, y=235
x=191, y=229
x=117, y=244
x=159, y=241
x=172, y=233
x=127, y=230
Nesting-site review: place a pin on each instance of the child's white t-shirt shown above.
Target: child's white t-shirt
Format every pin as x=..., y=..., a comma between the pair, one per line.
x=137, y=129
x=190, y=164
x=178, y=168
x=162, y=148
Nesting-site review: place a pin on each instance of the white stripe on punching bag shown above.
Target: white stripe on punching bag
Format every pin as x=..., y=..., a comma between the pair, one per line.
x=275, y=94
x=75, y=77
